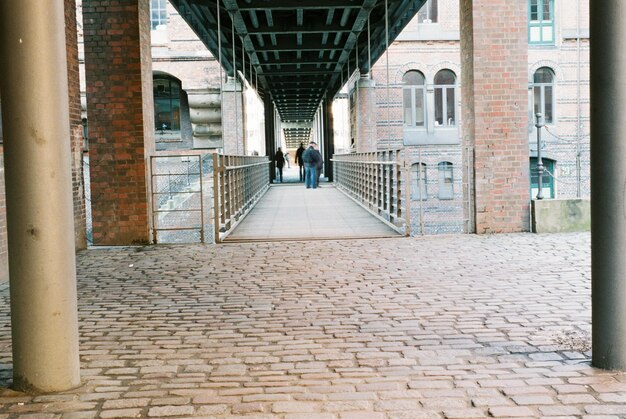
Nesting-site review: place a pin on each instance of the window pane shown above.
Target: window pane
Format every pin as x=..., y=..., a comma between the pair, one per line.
x=537, y=99
x=546, y=33
x=543, y=75
x=433, y=10
x=413, y=78
x=428, y=12
x=534, y=10
x=535, y=34
x=166, y=93
x=408, y=108
x=547, y=12
x=446, y=180
x=450, y=104
x=438, y=106
x=419, y=107
x=445, y=77
x=548, y=104
x=418, y=181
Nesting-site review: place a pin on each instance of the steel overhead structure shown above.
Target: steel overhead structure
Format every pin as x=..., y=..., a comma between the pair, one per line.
x=297, y=52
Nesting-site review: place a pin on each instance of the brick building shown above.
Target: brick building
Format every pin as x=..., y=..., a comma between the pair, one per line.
x=420, y=107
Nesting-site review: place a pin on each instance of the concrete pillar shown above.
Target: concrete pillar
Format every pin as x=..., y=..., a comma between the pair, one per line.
x=608, y=183
x=120, y=108
x=494, y=58
x=233, y=127
x=38, y=174
x=366, y=139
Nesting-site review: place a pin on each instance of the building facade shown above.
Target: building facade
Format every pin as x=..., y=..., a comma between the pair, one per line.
x=418, y=106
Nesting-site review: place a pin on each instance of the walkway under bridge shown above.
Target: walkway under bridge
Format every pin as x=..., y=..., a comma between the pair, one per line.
x=292, y=212
x=369, y=198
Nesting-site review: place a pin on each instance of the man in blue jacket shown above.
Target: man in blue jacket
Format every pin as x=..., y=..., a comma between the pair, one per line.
x=312, y=159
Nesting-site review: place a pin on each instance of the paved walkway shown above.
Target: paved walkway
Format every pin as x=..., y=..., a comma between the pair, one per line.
x=428, y=327
x=290, y=211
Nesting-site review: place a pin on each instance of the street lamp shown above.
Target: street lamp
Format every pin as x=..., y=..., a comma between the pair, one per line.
x=540, y=167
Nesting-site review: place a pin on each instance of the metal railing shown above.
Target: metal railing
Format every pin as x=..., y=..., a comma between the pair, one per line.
x=180, y=189
x=238, y=184
x=378, y=181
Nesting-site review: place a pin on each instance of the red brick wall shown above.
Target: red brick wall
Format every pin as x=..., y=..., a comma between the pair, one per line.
x=119, y=108
x=76, y=129
x=366, y=138
x=234, y=130
x=494, y=55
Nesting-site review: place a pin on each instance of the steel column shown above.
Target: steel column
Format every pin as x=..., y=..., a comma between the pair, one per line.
x=40, y=220
x=608, y=183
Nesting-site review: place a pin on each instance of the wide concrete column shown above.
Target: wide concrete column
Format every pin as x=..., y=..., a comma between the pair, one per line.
x=120, y=112
x=366, y=139
x=233, y=127
x=494, y=57
x=40, y=219
x=608, y=183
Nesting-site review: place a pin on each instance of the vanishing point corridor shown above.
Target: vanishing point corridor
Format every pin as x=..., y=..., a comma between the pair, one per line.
x=428, y=327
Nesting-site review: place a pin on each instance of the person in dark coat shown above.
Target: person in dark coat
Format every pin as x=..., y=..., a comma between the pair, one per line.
x=279, y=159
x=299, y=161
x=312, y=159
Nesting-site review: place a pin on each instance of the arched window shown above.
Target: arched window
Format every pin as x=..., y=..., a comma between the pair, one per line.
x=167, y=91
x=414, y=99
x=445, y=99
x=418, y=182
x=446, y=180
x=543, y=93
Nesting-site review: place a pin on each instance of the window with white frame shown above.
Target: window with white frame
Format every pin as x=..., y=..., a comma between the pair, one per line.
x=158, y=13
x=541, y=22
x=414, y=94
x=445, y=99
x=446, y=180
x=543, y=94
x=419, y=189
x=428, y=12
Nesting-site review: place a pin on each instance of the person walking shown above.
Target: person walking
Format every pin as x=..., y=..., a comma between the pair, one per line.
x=311, y=158
x=299, y=161
x=279, y=159
x=287, y=159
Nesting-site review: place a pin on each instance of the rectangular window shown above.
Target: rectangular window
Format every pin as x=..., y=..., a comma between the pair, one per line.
x=408, y=108
x=451, y=110
x=428, y=12
x=541, y=22
x=419, y=107
x=158, y=15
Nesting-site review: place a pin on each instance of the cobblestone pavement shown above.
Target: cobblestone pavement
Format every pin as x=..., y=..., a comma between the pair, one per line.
x=428, y=327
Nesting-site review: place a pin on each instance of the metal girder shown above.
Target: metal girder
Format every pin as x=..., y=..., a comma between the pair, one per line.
x=297, y=48
x=299, y=4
